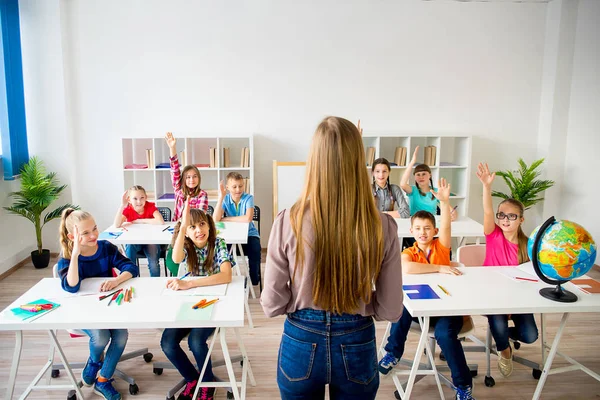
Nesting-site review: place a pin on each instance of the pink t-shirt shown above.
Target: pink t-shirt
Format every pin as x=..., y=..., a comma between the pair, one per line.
x=499, y=251
x=131, y=215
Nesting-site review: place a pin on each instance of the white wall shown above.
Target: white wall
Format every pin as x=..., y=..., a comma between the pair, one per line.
x=580, y=195
x=275, y=68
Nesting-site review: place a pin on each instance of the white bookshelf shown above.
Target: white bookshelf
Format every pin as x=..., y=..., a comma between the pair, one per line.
x=157, y=181
x=452, y=161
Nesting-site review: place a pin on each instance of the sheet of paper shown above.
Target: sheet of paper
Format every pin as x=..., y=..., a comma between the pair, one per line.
x=187, y=313
x=515, y=273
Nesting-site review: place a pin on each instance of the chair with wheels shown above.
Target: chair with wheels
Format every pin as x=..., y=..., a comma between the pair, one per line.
x=166, y=215
x=76, y=333
x=210, y=211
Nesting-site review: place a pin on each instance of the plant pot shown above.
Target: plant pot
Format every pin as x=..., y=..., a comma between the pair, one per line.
x=40, y=260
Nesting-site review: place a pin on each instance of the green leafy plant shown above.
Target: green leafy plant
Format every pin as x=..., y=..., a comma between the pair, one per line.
x=525, y=186
x=38, y=191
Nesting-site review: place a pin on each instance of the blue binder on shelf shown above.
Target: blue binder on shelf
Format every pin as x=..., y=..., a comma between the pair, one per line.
x=420, y=292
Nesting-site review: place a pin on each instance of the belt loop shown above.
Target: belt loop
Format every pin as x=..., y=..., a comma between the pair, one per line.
x=328, y=317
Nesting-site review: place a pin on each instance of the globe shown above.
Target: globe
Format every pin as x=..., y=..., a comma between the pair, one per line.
x=560, y=251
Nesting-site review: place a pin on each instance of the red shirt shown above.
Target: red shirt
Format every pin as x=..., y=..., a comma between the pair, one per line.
x=131, y=215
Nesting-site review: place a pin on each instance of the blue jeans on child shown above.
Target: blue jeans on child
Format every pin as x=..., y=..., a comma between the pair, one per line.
x=319, y=348
x=252, y=249
x=170, y=344
x=525, y=329
x=99, y=339
x=446, y=334
x=152, y=252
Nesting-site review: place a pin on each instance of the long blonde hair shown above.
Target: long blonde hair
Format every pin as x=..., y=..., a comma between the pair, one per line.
x=521, y=236
x=348, y=234
x=69, y=218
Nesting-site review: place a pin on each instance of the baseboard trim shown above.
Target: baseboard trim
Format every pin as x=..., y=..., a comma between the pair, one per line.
x=21, y=263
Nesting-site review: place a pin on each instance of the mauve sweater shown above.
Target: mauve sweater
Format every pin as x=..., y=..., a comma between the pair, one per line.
x=280, y=297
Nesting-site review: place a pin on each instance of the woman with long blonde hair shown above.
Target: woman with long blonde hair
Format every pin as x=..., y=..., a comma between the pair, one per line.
x=333, y=263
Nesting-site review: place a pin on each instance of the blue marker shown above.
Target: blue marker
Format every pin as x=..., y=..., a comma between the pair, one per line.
x=184, y=276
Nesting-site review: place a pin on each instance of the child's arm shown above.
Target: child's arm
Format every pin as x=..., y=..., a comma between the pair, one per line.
x=120, y=218
x=403, y=208
x=218, y=213
x=486, y=178
x=443, y=195
x=412, y=267
x=63, y=272
x=72, y=278
x=242, y=218
x=175, y=173
x=172, y=143
x=178, y=254
x=117, y=260
x=405, y=180
x=156, y=219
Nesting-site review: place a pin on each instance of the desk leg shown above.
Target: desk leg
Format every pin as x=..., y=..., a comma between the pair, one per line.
x=210, y=350
x=234, y=386
x=243, y=351
x=551, y=355
x=15, y=365
x=63, y=358
x=543, y=337
x=417, y=361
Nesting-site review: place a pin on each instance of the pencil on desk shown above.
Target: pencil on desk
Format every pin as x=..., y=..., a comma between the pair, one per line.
x=209, y=303
x=113, y=298
x=110, y=294
x=444, y=290
x=125, y=229
x=199, y=304
x=166, y=228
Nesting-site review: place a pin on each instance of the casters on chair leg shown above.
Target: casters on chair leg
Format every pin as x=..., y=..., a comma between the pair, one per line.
x=72, y=395
x=517, y=345
x=397, y=395
x=55, y=373
x=157, y=371
x=536, y=373
x=148, y=357
x=134, y=389
x=489, y=381
x=229, y=395
x=171, y=398
x=474, y=373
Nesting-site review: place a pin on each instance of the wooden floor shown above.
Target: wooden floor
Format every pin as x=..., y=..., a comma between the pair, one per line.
x=581, y=341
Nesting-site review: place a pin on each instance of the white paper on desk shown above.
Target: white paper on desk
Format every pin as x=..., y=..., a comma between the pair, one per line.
x=513, y=273
x=213, y=290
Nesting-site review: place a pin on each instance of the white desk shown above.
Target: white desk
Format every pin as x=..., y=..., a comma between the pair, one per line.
x=482, y=291
x=232, y=233
x=149, y=309
x=462, y=228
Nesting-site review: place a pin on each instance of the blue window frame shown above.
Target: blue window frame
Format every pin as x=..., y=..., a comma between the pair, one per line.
x=13, y=129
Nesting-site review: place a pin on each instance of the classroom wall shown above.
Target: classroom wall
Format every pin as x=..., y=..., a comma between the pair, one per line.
x=580, y=193
x=274, y=68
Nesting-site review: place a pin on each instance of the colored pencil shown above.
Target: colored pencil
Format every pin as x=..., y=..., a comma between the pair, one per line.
x=199, y=304
x=444, y=290
x=113, y=298
x=110, y=294
x=209, y=303
x=525, y=279
x=166, y=228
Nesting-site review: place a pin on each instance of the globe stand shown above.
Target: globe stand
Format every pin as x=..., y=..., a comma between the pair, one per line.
x=558, y=294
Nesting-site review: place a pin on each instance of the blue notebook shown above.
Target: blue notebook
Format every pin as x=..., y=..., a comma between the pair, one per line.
x=109, y=235
x=420, y=292
x=28, y=311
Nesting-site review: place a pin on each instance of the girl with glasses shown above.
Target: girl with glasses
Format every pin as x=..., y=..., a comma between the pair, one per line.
x=505, y=245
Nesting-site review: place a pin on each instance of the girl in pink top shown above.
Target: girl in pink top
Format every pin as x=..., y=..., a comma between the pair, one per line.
x=505, y=244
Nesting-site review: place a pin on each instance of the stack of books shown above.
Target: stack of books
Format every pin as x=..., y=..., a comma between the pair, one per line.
x=245, y=158
x=226, y=157
x=400, y=156
x=214, y=161
x=430, y=154
x=370, y=155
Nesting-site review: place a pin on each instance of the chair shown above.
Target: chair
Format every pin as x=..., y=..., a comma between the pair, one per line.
x=257, y=219
x=210, y=210
x=75, y=333
x=166, y=215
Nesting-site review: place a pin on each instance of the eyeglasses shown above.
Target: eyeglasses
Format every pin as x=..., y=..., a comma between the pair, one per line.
x=511, y=217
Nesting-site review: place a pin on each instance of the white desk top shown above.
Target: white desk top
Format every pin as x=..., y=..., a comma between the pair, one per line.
x=482, y=290
x=233, y=233
x=149, y=309
x=462, y=227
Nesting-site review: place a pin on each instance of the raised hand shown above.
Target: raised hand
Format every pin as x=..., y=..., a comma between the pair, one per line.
x=484, y=175
x=185, y=217
x=445, y=269
x=443, y=192
x=413, y=161
x=222, y=191
x=171, y=141
x=125, y=198
x=359, y=128
x=77, y=239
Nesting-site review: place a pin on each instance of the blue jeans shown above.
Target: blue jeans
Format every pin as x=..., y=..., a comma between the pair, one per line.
x=319, y=348
x=170, y=344
x=152, y=252
x=525, y=329
x=99, y=339
x=446, y=334
x=252, y=249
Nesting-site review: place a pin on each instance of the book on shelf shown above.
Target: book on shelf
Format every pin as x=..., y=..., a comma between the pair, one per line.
x=247, y=164
x=400, y=156
x=211, y=151
x=403, y=159
x=247, y=185
x=136, y=166
x=225, y=157
x=167, y=196
x=370, y=156
x=430, y=154
x=149, y=158
x=164, y=165
x=202, y=165
x=245, y=158
x=182, y=158
x=212, y=193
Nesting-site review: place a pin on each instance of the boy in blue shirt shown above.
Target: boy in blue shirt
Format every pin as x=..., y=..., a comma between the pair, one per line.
x=238, y=206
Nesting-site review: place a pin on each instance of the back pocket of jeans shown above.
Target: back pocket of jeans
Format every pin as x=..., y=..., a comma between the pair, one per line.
x=296, y=358
x=360, y=361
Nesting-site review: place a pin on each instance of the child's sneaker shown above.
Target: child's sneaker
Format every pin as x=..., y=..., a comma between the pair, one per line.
x=88, y=375
x=206, y=393
x=388, y=362
x=106, y=390
x=188, y=391
x=464, y=393
x=505, y=365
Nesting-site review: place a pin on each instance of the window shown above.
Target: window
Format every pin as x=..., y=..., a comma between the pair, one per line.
x=13, y=131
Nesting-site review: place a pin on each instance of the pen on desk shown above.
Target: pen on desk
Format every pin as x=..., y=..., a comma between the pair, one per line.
x=444, y=290
x=199, y=304
x=113, y=298
x=168, y=226
x=184, y=275
x=525, y=279
x=110, y=294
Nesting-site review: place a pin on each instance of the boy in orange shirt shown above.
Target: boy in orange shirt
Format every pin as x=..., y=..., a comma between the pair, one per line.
x=431, y=255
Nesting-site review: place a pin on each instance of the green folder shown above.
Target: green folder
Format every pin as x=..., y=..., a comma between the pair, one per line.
x=188, y=313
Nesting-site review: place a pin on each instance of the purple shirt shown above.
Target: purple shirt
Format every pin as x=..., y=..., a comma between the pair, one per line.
x=499, y=251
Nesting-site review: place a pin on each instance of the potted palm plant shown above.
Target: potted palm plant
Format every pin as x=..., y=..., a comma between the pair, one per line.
x=38, y=191
x=525, y=186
